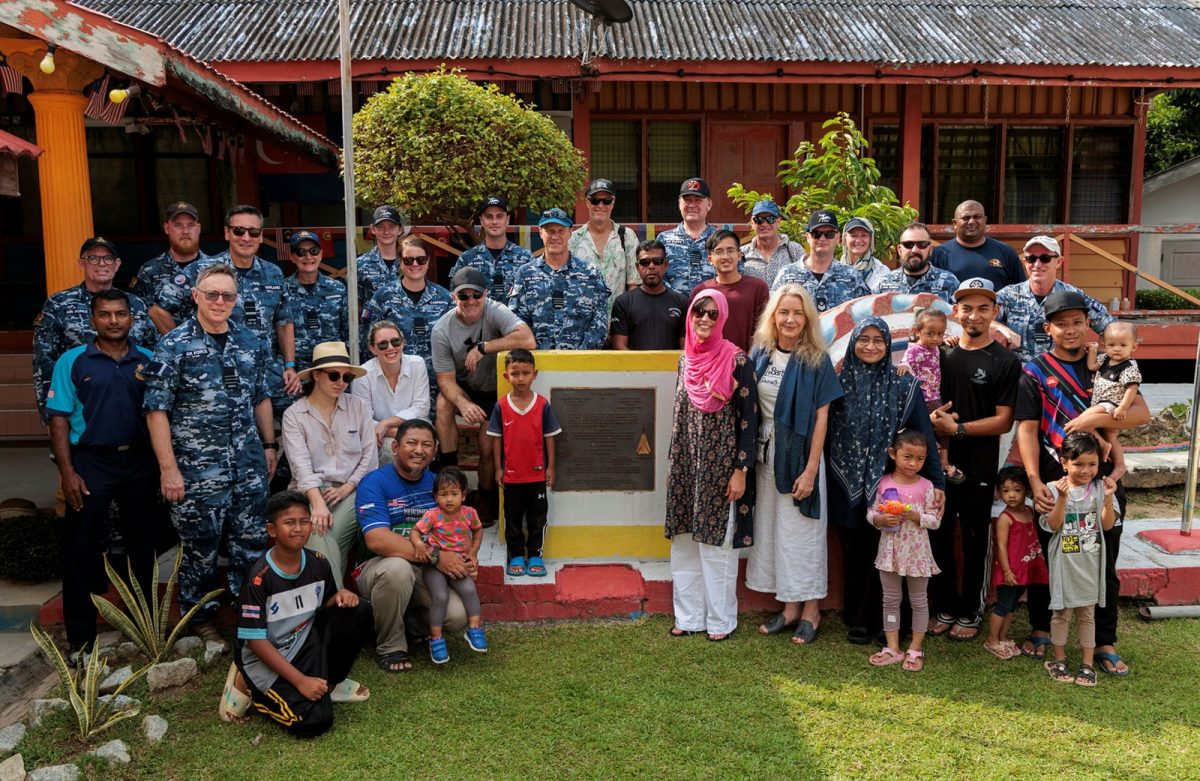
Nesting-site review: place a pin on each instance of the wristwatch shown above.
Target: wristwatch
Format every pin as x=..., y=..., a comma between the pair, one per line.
x=270, y=446
x=962, y=431
x=480, y=346
x=434, y=555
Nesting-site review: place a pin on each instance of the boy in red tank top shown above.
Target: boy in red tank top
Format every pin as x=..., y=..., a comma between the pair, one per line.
x=526, y=427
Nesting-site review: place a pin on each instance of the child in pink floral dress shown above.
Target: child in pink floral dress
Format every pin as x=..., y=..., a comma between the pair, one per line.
x=923, y=357
x=903, y=512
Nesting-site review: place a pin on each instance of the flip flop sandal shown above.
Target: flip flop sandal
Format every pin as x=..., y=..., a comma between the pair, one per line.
x=1086, y=676
x=776, y=624
x=964, y=623
x=1039, y=644
x=349, y=690
x=719, y=638
x=516, y=567
x=1112, y=658
x=946, y=623
x=805, y=633
x=1059, y=671
x=914, y=661
x=886, y=656
x=1000, y=651
x=395, y=662
x=234, y=702
x=677, y=632
x=536, y=568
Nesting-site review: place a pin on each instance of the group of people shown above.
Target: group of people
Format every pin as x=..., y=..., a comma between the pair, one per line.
x=215, y=363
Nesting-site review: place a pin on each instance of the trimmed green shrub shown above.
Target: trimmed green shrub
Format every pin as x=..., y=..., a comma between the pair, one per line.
x=30, y=546
x=1156, y=298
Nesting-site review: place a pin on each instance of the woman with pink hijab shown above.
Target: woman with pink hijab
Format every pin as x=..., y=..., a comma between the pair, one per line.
x=709, y=515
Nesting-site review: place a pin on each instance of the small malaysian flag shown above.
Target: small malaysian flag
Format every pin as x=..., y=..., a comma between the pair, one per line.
x=11, y=80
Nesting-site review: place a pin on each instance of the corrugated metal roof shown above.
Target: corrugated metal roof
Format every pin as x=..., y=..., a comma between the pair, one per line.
x=1162, y=33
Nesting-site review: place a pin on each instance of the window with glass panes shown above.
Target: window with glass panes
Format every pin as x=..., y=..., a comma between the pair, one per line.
x=672, y=155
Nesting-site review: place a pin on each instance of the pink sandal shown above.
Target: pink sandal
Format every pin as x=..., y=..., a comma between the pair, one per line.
x=885, y=657
x=914, y=660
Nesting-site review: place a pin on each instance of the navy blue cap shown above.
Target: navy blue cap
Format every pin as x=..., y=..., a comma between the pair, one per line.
x=300, y=236
x=694, y=186
x=555, y=216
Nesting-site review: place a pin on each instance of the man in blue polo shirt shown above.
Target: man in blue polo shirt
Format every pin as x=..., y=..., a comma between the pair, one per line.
x=102, y=448
x=972, y=253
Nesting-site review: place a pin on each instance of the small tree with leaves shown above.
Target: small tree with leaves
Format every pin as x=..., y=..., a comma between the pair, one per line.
x=835, y=173
x=436, y=144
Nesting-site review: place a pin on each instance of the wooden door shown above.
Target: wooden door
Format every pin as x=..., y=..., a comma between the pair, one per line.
x=745, y=152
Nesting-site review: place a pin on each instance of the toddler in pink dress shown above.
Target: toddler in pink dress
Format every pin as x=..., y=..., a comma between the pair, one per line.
x=923, y=358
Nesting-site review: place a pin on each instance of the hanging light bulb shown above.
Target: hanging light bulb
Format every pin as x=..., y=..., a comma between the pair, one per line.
x=47, y=63
x=121, y=94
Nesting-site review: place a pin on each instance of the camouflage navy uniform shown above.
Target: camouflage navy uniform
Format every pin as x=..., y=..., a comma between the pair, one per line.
x=373, y=273
x=416, y=321
x=499, y=274
x=1021, y=311
x=567, y=309
x=837, y=285
x=261, y=306
x=209, y=395
x=66, y=322
x=161, y=282
x=935, y=280
x=687, y=258
x=319, y=315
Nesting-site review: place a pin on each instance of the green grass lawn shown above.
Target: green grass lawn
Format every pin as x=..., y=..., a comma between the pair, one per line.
x=622, y=700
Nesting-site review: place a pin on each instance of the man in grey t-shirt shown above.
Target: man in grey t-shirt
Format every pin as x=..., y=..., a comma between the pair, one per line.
x=465, y=341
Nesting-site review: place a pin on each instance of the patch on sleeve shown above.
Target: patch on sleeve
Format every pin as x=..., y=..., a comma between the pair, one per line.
x=252, y=612
x=153, y=369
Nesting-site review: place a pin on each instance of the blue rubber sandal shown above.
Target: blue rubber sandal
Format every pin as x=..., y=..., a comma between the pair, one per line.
x=536, y=568
x=516, y=567
x=1112, y=658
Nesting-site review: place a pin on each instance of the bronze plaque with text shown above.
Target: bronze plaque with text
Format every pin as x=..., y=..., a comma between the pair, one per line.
x=607, y=441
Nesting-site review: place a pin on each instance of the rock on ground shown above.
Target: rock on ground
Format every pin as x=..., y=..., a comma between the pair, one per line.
x=154, y=728
x=186, y=646
x=13, y=768
x=127, y=650
x=122, y=702
x=212, y=651
x=113, y=751
x=11, y=736
x=117, y=678
x=167, y=675
x=40, y=709
x=54, y=773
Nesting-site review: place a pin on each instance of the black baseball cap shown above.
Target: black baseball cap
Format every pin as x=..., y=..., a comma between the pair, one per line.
x=182, y=207
x=822, y=218
x=468, y=277
x=600, y=186
x=98, y=241
x=1063, y=301
x=387, y=214
x=493, y=200
x=694, y=186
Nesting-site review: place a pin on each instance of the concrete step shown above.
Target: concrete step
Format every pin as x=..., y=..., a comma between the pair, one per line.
x=16, y=368
x=17, y=396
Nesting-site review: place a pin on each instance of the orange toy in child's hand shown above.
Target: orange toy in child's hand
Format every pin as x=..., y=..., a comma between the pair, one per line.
x=893, y=507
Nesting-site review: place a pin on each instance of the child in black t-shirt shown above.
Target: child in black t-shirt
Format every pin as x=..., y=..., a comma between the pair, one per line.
x=294, y=649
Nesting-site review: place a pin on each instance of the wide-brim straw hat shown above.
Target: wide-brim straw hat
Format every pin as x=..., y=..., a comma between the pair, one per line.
x=331, y=355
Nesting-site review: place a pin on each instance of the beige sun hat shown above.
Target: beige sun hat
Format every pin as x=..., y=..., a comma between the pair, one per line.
x=331, y=355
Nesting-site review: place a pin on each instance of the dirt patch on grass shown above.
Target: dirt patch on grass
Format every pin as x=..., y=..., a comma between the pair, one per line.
x=1154, y=502
x=1163, y=429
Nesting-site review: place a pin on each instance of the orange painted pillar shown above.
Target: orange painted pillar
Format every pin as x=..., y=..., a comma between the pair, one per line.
x=66, y=188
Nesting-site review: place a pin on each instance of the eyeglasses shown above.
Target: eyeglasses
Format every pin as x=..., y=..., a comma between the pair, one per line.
x=383, y=344
x=239, y=230
x=416, y=260
x=215, y=295
x=700, y=313
x=647, y=262
x=602, y=201
x=727, y=252
x=823, y=234
x=468, y=295
x=338, y=376
x=301, y=252
x=910, y=244
x=100, y=260
x=769, y=219
x=1047, y=259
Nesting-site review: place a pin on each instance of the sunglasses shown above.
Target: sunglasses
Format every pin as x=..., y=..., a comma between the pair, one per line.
x=100, y=260
x=1047, y=259
x=468, y=295
x=301, y=252
x=910, y=244
x=383, y=344
x=647, y=262
x=419, y=260
x=216, y=295
x=338, y=376
x=700, y=313
x=822, y=234
x=239, y=230
x=769, y=219
x=602, y=201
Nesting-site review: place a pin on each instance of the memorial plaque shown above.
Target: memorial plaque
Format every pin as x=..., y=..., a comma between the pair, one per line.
x=607, y=442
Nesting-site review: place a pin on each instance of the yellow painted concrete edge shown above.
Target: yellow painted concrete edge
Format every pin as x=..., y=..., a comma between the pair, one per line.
x=573, y=542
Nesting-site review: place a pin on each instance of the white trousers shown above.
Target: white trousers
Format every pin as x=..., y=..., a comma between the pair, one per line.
x=704, y=583
x=789, y=558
